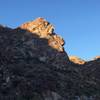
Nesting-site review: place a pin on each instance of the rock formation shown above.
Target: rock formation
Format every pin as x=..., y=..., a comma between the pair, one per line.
x=45, y=31
x=35, y=66
x=76, y=60
x=97, y=57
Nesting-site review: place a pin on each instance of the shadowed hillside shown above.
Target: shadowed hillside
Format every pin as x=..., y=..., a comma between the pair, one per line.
x=35, y=66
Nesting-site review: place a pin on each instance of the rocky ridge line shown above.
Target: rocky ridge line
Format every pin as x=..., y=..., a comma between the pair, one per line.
x=35, y=66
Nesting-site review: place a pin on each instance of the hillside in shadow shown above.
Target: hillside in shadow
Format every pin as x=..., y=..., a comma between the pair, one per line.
x=28, y=64
x=35, y=66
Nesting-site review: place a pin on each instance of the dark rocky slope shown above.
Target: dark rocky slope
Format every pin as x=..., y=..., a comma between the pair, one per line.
x=35, y=66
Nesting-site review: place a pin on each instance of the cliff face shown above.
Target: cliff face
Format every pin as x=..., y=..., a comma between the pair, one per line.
x=35, y=66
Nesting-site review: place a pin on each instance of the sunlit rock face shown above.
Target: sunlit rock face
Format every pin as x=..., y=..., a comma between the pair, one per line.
x=76, y=60
x=39, y=26
x=97, y=57
x=44, y=29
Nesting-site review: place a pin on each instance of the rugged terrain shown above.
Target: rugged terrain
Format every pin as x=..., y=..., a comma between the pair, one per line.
x=35, y=66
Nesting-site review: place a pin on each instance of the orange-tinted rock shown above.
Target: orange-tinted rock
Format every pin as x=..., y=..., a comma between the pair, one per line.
x=44, y=29
x=97, y=57
x=56, y=42
x=76, y=60
x=39, y=26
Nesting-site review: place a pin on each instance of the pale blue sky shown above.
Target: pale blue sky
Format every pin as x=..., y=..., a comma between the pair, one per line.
x=77, y=21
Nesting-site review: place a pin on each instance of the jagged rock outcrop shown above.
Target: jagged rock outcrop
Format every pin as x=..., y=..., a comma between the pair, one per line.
x=97, y=57
x=44, y=30
x=40, y=27
x=35, y=66
x=76, y=60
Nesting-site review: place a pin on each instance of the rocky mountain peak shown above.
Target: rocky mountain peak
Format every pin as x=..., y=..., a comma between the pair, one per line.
x=44, y=29
x=35, y=66
x=39, y=26
x=29, y=58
